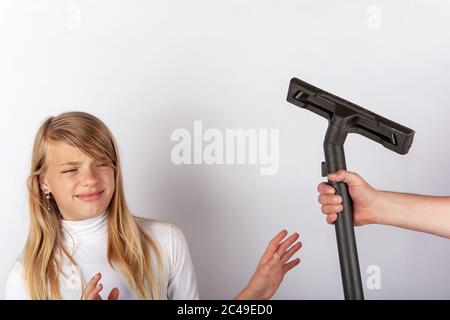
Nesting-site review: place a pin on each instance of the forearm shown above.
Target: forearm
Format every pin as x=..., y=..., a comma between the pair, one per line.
x=429, y=214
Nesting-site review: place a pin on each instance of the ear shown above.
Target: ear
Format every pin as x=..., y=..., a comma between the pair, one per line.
x=43, y=183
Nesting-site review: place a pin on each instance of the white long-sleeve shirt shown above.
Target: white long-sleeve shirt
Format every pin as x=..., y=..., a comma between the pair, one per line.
x=88, y=240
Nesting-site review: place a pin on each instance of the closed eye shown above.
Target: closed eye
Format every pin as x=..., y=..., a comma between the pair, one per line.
x=102, y=165
x=67, y=171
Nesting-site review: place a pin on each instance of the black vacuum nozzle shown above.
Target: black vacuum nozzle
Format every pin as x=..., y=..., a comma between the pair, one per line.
x=350, y=116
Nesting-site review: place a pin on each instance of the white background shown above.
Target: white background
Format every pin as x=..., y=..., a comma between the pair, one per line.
x=147, y=68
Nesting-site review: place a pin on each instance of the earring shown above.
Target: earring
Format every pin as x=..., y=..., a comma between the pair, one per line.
x=47, y=195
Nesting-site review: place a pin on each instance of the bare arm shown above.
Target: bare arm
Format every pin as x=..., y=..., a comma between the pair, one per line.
x=429, y=214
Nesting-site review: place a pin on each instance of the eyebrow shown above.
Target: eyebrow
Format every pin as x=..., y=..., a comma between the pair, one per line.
x=73, y=163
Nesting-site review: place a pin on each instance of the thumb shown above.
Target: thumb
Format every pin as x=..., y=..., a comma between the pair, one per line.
x=350, y=178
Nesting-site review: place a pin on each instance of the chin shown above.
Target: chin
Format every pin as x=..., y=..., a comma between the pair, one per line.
x=93, y=212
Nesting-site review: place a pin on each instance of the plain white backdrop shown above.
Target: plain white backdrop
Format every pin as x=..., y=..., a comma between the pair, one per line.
x=147, y=68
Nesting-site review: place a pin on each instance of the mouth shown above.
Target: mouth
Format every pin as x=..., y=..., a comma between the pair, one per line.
x=90, y=196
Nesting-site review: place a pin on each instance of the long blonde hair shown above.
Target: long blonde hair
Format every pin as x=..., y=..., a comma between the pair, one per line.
x=129, y=248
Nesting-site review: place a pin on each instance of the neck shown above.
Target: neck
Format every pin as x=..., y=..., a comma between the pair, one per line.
x=87, y=228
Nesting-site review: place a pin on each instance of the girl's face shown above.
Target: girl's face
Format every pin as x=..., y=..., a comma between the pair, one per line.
x=81, y=186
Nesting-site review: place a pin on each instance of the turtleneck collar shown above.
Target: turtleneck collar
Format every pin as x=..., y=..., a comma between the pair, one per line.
x=82, y=229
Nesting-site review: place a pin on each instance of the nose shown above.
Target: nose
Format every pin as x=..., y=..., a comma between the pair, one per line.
x=89, y=177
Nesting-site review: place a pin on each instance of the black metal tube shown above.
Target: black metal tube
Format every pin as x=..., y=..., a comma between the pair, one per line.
x=345, y=233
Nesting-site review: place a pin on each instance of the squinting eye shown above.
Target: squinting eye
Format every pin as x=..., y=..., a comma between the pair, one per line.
x=67, y=171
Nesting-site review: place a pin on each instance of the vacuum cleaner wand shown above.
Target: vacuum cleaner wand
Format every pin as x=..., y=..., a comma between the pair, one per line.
x=345, y=117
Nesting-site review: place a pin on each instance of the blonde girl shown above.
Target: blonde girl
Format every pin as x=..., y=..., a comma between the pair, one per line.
x=84, y=243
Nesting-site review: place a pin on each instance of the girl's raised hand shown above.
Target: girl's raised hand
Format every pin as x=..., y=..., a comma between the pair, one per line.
x=272, y=267
x=93, y=288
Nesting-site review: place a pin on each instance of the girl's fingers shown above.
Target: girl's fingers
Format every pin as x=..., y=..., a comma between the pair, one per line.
x=114, y=294
x=94, y=294
x=273, y=245
x=288, y=266
x=292, y=250
x=92, y=291
x=93, y=282
x=287, y=243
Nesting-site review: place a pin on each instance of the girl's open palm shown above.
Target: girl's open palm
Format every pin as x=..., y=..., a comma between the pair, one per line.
x=273, y=266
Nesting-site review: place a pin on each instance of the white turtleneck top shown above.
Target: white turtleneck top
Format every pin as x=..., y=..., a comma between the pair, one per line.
x=87, y=241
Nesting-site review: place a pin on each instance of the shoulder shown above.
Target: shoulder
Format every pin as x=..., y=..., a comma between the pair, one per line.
x=170, y=237
x=161, y=231
x=15, y=283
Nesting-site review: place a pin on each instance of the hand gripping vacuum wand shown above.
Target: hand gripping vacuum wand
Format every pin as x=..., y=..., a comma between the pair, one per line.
x=345, y=117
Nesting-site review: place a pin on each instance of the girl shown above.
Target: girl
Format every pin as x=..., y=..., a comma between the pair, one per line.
x=81, y=229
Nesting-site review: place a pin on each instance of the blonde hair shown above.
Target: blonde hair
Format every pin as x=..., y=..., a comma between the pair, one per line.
x=129, y=248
